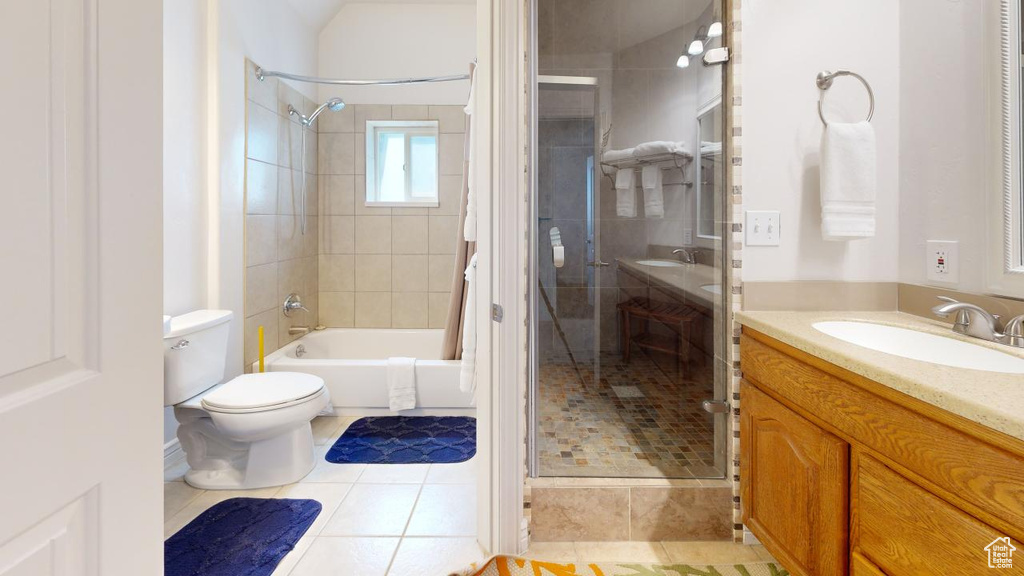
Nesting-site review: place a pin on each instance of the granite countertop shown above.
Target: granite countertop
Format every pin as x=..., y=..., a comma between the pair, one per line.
x=993, y=399
x=687, y=279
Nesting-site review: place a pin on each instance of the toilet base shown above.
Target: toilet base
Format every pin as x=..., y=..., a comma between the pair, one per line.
x=219, y=463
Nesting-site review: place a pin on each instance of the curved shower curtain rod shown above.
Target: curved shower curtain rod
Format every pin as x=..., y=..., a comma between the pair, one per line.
x=261, y=74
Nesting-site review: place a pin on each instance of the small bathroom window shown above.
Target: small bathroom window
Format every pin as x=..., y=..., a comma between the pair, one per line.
x=401, y=163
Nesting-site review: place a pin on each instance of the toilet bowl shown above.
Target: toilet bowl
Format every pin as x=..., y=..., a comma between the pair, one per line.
x=250, y=432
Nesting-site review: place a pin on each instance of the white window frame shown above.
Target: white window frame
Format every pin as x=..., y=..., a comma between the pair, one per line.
x=409, y=128
x=1005, y=227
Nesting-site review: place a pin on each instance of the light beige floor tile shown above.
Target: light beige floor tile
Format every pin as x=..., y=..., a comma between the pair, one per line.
x=324, y=471
x=551, y=551
x=710, y=552
x=208, y=499
x=347, y=557
x=444, y=510
x=325, y=428
x=621, y=552
x=394, y=474
x=287, y=564
x=460, y=473
x=373, y=510
x=763, y=554
x=328, y=495
x=177, y=495
x=435, y=556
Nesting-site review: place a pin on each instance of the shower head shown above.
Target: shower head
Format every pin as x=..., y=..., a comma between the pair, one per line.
x=334, y=104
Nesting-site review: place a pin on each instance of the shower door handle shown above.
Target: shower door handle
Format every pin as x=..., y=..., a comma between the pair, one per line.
x=598, y=264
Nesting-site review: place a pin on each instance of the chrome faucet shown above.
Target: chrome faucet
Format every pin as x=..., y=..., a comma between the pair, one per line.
x=293, y=330
x=689, y=256
x=975, y=321
x=293, y=303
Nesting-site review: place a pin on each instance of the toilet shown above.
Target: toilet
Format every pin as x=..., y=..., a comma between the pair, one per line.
x=252, y=431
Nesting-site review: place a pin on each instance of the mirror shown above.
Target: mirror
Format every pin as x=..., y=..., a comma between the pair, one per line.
x=709, y=174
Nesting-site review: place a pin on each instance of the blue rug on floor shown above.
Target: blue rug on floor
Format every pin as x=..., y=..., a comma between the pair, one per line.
x=406, y=440
x=239, y=537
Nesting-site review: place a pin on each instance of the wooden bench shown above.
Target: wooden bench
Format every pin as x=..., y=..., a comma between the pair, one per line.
x=682, y=319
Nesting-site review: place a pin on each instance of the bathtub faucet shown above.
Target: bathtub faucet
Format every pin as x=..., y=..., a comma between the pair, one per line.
x=298, y=330
x=300, y=351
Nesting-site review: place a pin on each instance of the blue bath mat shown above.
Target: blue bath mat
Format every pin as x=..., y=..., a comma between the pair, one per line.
x=406, y=440
x=239, y=537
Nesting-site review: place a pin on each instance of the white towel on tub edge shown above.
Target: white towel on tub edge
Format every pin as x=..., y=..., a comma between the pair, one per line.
x=467, y=376
x=401, y=383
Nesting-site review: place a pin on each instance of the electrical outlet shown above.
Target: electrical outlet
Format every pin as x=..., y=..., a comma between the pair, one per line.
x=943, y=261
x=763, y=227
x=688, y=236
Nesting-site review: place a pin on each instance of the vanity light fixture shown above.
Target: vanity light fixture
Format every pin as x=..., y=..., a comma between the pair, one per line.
x=697, y=46
x=716, y=28
x=683, y=61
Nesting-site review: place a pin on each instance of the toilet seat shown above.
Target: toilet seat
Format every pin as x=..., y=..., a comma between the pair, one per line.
x=263, y=392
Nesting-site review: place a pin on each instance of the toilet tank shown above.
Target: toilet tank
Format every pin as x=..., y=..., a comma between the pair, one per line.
x=195, y=353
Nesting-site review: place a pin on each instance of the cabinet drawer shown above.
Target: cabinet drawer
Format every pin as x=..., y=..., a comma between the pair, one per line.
x=981, y=474
x=905, y=530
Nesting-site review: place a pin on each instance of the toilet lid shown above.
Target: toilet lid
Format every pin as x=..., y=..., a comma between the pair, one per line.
x=263, y=390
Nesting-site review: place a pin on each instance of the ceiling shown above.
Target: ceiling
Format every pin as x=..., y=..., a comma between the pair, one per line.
x=318, y=13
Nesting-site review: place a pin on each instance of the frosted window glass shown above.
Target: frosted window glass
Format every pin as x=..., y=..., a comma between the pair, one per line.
x=424, y=166
x=391, y=167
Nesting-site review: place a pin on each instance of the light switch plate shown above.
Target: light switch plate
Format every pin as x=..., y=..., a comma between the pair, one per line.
x=688, y=236
x=763, y=227
x=943, y=261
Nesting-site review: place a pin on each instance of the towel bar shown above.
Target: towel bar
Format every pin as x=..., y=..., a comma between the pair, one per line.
x=824, y=82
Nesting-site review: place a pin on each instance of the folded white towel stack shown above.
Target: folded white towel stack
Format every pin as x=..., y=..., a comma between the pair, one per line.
x=401, y=383
x=625, y=200
x=848, y=181
x=660, y=147
x=616, y=155
x=654, y=197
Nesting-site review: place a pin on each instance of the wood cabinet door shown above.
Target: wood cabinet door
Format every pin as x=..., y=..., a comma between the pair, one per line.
x=795, y=486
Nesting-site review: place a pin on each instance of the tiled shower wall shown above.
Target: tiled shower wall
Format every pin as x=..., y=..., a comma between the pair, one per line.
x=385, y=267
x=279, y=258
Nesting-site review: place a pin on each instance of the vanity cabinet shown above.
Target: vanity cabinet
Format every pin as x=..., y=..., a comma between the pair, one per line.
x=843, y=475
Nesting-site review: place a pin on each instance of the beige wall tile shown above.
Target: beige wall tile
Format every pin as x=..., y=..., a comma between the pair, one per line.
x=336, y=153
x=261, y=134
x=260, y=240
x=820, y=296
x=449, y=195
x=311, y=240
x=337, y=309
x=680, y=513
x=373, y=272
x=409, y=309
x=452, y=154
x=359, y=154
x=409, y=234
x=337, y=273
x=919, y=300
x=289, y=186
x=290, y=240
x=409, y=273
x=451, y=119
x=410, y=112
x=373, y=310
x=289, y=143
x=437, y=309
x=580, y=514
x=441, y=272
x=342, y=121
x=373, y=235
x=366, y=112
x=268, y=320
x=260, y=288
x=260, y=187
x=443, y=232
x=338, y=193
x=297, y=276
x=338, y=235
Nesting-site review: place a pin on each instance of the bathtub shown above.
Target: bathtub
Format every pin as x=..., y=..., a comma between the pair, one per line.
x=353, y=363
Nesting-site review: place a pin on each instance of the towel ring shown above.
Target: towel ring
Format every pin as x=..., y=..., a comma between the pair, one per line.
x=824, y=82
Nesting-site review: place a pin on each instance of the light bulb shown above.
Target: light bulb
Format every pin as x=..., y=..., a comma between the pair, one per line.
x=715, y=30
x=696, y=47
x=683, y=61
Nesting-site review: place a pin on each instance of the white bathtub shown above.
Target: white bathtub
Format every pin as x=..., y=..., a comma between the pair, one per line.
x=353, y=363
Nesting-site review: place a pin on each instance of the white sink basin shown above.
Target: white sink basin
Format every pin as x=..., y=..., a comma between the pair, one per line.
x=660, y=263
x=922, y=346
x=713, y=288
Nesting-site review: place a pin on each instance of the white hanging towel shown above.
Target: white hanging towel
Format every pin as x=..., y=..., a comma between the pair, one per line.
x=848, y=181
x=401, y=383
x=654, y=197
x=467, y=376
x=625, y=199
x=469, y=230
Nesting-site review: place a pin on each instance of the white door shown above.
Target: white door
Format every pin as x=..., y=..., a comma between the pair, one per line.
x=80, y=286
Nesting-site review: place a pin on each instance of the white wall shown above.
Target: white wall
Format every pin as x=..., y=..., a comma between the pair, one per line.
x=785, y=44
x=943, y=127
x=373, y=41
x=206, y=44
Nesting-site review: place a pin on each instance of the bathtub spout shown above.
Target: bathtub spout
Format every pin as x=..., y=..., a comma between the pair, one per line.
x=298, y=330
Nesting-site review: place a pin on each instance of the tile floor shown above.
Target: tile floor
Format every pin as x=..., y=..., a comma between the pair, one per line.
x=685, y=552
x=636, y=421
x=377, y=520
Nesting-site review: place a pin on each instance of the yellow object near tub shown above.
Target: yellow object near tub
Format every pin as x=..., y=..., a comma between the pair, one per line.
x=261, y=347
